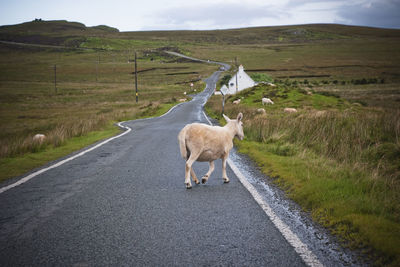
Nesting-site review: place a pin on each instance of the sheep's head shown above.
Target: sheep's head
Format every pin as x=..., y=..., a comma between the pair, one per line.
x=237, y=125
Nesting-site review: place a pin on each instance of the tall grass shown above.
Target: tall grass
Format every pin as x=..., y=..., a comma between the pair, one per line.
x=56, y=135
x=366, y=140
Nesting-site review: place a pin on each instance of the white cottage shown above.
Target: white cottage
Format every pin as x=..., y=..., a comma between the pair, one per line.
x=243, y=79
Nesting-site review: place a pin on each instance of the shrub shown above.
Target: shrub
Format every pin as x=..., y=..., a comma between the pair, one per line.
x=261, y=77
x=225, y=80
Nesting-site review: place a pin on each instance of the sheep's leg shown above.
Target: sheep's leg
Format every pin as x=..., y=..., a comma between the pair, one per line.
x=207, y=175
x=188, y=168
x=224, y=176
x=194, y=177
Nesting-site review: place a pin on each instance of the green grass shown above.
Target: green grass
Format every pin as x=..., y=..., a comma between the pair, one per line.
x=120, y=44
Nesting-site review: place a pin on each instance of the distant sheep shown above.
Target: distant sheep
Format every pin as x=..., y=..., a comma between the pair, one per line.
x=236, y=101
x=320, y=113
x=184, y=93
x=182, y=100
x=290, y=110
x=39, y=138
x=267, y=101
x=261, y=111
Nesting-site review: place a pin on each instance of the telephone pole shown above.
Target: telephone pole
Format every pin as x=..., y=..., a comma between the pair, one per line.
x=55, y=78
x=237, y=72
x=137, y=96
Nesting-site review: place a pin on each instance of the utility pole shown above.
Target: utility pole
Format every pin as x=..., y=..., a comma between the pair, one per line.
x=97, y=67
x=237, y=73
x=223, y=103
x=137, y=96
x=55, y=78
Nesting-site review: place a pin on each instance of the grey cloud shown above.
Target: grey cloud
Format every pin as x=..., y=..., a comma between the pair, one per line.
x=380, y=13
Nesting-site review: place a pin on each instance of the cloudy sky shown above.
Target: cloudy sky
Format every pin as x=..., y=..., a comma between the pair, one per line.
x=135, y=15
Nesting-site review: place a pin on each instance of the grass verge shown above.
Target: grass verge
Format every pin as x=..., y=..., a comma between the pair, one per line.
x=347, y=202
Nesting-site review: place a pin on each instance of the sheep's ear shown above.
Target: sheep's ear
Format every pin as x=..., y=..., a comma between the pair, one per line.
x=240, y=116
x=226, y=118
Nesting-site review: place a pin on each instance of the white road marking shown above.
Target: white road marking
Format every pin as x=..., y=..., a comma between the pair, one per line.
x=304, y=252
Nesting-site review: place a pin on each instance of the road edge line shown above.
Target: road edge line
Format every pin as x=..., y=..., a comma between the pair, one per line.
x=301, y=249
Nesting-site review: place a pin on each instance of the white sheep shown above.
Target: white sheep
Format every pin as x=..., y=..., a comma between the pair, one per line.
x=182, y=100
x=202, y=142
x=290, y=110
x=261, y=111
x=266, y=101
x=236, y=101
x=39, y=138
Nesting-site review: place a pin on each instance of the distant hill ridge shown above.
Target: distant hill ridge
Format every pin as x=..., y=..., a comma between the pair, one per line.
x=52, y=26
x=72, y=34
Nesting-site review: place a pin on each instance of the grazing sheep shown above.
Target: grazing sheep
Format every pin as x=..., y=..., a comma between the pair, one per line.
x=182, y=100
x=39, y=138
x=261, y=111
x=202, y=142
x=320, y=113
x=266, y=101
x=290, y=110
x=236, y=101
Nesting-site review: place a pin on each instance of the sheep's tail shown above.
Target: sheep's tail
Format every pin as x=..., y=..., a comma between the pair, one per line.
x=182, y=143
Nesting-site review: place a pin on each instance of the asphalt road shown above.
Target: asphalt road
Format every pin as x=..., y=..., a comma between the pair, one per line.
x=125, y=204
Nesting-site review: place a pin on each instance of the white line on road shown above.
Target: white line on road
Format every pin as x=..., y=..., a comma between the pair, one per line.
x=304, y=252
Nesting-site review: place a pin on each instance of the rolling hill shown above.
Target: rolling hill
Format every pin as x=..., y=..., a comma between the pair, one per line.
x=73, y=34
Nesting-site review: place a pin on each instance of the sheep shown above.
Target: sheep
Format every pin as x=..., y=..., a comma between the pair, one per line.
x=236, y=101
x=202, y=142
x=39, y=138
x=261, y=111
x=184, y=93
x=266, y=101
x=320, y=113
x=290, y=110
x=182, y=100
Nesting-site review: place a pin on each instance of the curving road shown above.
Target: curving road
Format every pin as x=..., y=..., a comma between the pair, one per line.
x=125, y=204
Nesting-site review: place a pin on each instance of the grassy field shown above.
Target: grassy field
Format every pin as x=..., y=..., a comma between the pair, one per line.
x=338, y=157
x=93, y=89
